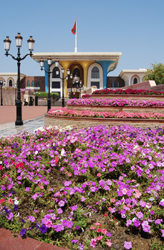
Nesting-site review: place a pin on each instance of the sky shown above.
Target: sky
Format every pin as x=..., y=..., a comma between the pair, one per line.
x=135, y=28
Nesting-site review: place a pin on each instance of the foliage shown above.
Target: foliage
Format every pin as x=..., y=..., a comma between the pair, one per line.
x=156, y=73
x=45, y=94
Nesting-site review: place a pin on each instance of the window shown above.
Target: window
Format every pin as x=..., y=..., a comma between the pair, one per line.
x=95, y=84
x=10, y=83
x=95, y=72
x=55, y=85
x=37, y=84
x=32, y=83
x=112, y=84
x=76, y=72
x=118, y=84
x=28, y=84
x=54, y=75
x=135, y=80
x=43, y=82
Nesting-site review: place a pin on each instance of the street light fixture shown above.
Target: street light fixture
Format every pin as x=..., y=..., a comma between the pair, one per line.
x=76, y=82
x=63, y=78
x=1, y=84
x=57, y=73
x=7, y=44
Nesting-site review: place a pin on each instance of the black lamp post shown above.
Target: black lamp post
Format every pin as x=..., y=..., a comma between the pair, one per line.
x=57, y=73
x=1, y=84
x=7, y=44
x=15, y=93
x=63, y=78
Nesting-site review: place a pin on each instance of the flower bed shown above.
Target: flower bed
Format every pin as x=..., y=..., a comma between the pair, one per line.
x=90, y=114
x=116, y=102
x=128, y=97
x=126, y=92
x=85, y=188
x=116, y=105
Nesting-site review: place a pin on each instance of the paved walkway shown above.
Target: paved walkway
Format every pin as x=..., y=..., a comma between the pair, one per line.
x=32, y=116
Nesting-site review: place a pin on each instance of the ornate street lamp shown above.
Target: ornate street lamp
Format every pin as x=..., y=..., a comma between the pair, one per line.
x=7, y=44
x=75, y=83
x=1, y=84
x=62, y=78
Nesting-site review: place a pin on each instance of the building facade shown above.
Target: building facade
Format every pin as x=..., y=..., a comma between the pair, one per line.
x=90, y=67
x=36, y=83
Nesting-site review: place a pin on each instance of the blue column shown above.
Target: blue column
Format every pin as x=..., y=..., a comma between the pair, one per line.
x=105, y=64
x=46, y=75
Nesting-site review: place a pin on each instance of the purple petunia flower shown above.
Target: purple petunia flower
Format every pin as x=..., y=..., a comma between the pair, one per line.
x=158, y=221
x=74, y=208
x=108, y=234
x=128, y=222
x=162, y=231
x=23, y=231
x=83, y=199
x=61, y=203
x=146, y=227
x=9, y=216
x=162, y=203
x=31, y=218
x=139, y=215
x=142, y=203
x=136, y=223
x=60, y=211
x=127, y=244
x=43, y=229
x=74, y=241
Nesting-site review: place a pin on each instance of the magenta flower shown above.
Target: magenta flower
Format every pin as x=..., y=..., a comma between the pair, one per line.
x=60, y=211
x=61, y=203
x=139, y=215
x=162, y=231
x=136, y=223
x=146, y=227
x=93, y=243
x=127, y=244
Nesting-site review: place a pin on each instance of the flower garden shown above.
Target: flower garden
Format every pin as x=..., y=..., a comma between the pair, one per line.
x=85, y=189
x=98, y=187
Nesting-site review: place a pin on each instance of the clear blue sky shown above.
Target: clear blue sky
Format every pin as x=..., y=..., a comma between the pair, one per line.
x=135, y=28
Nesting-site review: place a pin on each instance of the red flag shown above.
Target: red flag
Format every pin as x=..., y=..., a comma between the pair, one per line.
x=74, y=29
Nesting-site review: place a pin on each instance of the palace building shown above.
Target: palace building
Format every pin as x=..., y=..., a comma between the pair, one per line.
x=90, y=67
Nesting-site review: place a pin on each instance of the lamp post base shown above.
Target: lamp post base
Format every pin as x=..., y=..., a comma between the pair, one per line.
x=19, y=121
x=48, y=104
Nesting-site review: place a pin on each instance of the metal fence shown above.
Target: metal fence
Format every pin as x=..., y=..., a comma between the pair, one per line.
x=54, y=102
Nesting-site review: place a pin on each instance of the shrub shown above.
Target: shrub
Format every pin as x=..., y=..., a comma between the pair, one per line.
x=45, y=94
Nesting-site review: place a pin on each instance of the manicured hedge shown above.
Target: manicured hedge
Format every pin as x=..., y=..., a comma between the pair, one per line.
x=45, y=94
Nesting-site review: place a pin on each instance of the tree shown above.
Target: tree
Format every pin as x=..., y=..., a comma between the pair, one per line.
x=156, y=73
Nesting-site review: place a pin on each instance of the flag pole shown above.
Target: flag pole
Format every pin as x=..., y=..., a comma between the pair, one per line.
x=76, y=37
